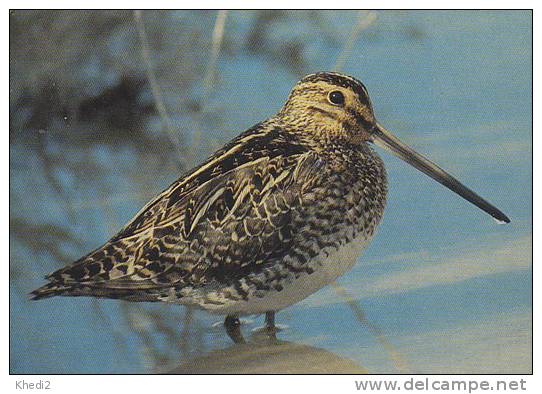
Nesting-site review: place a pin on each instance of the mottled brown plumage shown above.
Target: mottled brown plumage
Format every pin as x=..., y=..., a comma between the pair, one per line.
x=276, y=214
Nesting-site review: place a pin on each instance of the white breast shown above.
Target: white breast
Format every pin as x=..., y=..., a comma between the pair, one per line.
x=327, y=269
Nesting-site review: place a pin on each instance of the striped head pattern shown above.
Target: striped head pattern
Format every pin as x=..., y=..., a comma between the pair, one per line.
x=331, y=107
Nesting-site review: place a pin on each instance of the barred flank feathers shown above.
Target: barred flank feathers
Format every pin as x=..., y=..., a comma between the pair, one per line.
x=94, y=290
x=48, y=290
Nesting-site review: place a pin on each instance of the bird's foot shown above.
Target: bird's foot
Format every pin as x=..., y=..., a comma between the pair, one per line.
x=233, y=329
x=274, y=329
x=220, y=323
x=270, y=329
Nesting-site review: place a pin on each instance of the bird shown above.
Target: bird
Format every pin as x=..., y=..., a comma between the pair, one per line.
x=279, y=212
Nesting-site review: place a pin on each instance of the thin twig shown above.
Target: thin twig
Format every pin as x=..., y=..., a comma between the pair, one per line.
x=117, y=334
x=184, y=341
x=155, y=88
x=398, y=360
x=364, y=21
x=49, y=165
x=209, y=79
x=218, y=38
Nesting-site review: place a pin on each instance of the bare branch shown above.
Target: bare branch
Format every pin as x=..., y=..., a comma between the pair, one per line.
x=218, y=38
x=365, y=19
x=398, y=360
x=155, y=88
x=209, y=79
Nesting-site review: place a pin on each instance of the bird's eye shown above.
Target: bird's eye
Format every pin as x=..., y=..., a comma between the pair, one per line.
x=336, y=98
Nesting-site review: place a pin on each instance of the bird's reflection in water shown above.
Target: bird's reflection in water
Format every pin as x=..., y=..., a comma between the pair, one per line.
x=267, y=355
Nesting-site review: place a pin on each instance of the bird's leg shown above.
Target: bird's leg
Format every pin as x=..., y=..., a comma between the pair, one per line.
x=270, y=321
x=270, y=329
x=233, y=328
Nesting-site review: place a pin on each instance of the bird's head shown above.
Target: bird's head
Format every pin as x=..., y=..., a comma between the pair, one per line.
x=331, y=107
x=334, y=108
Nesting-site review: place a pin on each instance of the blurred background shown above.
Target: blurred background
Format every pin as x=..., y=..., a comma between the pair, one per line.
x=109, y=107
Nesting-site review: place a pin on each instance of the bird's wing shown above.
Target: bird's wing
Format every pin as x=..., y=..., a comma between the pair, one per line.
x=220, y=228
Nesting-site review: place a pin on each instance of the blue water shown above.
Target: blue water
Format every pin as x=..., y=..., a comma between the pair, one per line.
x=456, y=86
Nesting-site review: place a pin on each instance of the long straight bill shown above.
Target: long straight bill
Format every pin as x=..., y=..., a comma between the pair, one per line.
x=387, y=140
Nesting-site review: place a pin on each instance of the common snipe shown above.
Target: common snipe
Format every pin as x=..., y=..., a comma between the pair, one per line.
x=278, y=213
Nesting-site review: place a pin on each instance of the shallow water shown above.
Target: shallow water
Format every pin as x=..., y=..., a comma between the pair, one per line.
x=442, y=287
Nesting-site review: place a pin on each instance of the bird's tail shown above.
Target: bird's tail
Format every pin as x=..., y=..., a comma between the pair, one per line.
x=49, y=290
x=53, y=289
